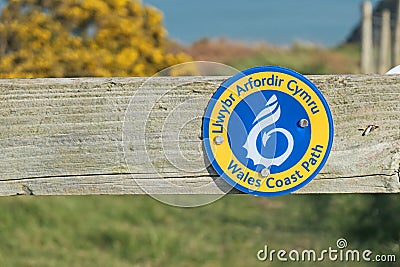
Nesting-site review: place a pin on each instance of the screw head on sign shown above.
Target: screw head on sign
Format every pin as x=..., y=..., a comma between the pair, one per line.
x=303, y=123
x=218, y=139
x=265, y=173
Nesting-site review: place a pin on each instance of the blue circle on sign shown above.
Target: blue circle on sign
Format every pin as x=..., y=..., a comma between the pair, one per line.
x=272, y=140
x=243, y=119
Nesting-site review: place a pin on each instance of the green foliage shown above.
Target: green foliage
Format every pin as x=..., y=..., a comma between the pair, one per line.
x=379, y=222
x=139, y=231
x=69, y=38
x=304, y=59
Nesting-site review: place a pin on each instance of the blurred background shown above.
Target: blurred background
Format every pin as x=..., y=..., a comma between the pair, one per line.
x=104, y=38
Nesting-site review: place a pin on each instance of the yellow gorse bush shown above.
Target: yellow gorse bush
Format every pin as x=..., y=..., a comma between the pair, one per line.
x=71, y=38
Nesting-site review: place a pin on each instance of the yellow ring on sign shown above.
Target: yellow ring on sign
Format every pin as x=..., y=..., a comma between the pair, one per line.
x=320, y=123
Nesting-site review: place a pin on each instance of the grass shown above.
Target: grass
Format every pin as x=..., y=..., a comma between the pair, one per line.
x=139, y=231
x=304, y=58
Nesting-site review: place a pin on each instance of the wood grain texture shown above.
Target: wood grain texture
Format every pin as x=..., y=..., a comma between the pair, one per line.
x=64, y=136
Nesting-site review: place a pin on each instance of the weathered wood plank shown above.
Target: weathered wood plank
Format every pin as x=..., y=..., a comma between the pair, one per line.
x=64, y=136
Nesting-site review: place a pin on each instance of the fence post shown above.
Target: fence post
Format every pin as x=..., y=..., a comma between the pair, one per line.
x=384, y=49
x=367, y=65
x=396, y=43
x=64, y=136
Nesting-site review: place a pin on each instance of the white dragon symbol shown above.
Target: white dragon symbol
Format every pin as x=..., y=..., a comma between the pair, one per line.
x=268, y=116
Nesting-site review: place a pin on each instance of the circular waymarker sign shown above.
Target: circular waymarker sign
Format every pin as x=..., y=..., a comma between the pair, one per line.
x=268, y=131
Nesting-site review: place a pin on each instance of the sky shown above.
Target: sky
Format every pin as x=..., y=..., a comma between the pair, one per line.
x=278, y=22
x=324, y=22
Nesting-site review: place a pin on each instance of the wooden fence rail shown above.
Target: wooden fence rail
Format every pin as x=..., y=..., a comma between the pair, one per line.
x=64, y=136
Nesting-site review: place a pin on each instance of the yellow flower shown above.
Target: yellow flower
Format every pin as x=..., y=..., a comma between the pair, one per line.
x=82, y=38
